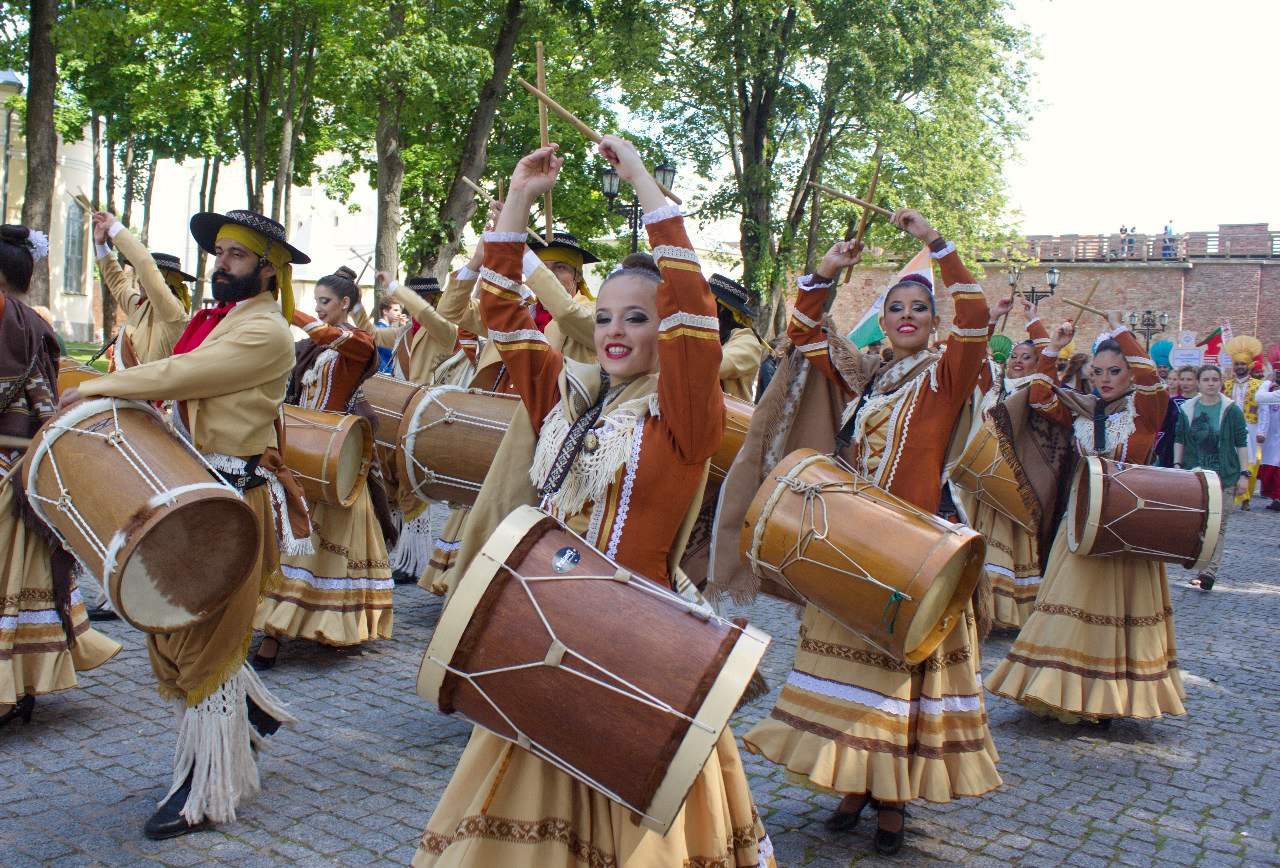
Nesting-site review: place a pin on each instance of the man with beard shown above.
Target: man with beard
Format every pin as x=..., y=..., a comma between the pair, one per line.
x=227, y=377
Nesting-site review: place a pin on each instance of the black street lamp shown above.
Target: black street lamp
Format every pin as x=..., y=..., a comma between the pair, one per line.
x=1148, y=324
x=1034, y=294
x=664, y=174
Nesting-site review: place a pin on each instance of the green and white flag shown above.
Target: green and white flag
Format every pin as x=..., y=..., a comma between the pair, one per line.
x=868, y=330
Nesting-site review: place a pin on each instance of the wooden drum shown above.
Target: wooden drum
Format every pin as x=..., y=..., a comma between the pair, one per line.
x=71, y=373
x=897, y=576
x=328, y=452
x=1160, y=513
x=389, y=397
x=985, y=472
x=141, y=510
x=449, y=439
x=737, y=419
x=626, y=686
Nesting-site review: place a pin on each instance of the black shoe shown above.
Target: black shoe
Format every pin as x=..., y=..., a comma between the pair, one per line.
x=168, y=822
x=103, y=613
x=264, y=723
x=403, y=577
x=846, y=821
x=1204, y=582
x=22, y=709
x=261, y=663
x=889, y=843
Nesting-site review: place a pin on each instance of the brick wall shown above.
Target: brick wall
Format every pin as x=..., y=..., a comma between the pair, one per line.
x=1198, y=296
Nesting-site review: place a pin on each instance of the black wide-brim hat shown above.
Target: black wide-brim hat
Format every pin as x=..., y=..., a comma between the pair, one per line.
x=733, y=295
x=169, y=262
x=565, y=240
x=423, y=285
x=205, y=226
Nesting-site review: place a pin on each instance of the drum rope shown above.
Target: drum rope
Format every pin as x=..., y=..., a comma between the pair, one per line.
x=1142, y=504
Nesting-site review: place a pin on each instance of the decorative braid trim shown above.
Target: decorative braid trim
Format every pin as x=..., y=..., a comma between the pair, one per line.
x=657, y=215
x=1104, y=620
x=517, y=335
x=491, y=276
x=504, y=238
x=670, y=251
x=628, y=482
x=684, y=318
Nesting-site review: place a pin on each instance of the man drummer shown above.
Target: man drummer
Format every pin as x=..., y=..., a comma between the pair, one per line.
x=227, y=375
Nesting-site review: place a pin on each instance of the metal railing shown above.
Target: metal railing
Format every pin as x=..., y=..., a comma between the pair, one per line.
x=1133, y=247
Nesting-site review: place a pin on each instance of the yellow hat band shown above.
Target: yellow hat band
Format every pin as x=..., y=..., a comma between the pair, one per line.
x=274, y=253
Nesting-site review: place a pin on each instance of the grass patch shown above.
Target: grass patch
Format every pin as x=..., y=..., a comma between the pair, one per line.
x=82, y=352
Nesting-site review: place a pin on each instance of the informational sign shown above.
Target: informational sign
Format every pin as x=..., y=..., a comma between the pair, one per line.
x=1186, y=356
x=1187, y=339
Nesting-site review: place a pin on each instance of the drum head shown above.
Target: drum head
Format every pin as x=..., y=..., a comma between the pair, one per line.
x=352, y=460
x=940, y=607
x=186, y=564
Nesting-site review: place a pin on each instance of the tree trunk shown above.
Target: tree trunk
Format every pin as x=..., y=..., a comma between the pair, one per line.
x=815, y=215
x=95, y=128
x=284, y=158
x=207, y=197
x=390, y=170
x=146, y=200
x=130, y=183
x=109, y=128
x=461, y=202
x=42, y=141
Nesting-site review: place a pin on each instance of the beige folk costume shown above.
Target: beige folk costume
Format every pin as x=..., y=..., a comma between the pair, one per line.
x=1099, y=642
x=851, y=718
x=742, y=352
x=1013, y=560
x=45, y=635
x=632, y=497
x=227, y=376
x=339, y=595
x=157, y=314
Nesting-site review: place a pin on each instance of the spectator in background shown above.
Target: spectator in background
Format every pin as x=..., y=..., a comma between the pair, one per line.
x=1269, y=439
x=1182, y=385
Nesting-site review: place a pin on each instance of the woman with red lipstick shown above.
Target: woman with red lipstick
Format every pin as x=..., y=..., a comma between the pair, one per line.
x=619, y=454
x=852, y=719
x=1099, y=643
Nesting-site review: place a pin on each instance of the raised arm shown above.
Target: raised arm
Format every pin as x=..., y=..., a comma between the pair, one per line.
x=575, y=319
x=439, y=328
x=804, y=328
x=1150, y=397
x=116, y=281
x=1043, y=394
x=456, y=304
x=166, y=305
x=533, y=366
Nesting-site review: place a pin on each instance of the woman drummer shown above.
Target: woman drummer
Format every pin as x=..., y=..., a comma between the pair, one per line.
x=851, y=718
x=341, y=595
x=1099, y=643
x=620, y=455
x=45, y=637
x=1013, y=553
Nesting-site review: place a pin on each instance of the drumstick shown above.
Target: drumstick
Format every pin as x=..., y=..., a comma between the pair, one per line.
x=1084, y=307
x=570, y=118
x=543, y=133
x=866, y=212
x=9, y=441
x=83, y=201
x=849, y=197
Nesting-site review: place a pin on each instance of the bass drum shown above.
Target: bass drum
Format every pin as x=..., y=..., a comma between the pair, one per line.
x=141, y=510
x=605, y=674
x=449, y=438
x=985, y=472
x=895, y=575
x=389, y=398
x=1160, y=513
x=71, y=374
x=328, y=452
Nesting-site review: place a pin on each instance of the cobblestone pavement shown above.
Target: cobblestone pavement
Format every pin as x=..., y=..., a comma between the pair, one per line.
x=355, y=782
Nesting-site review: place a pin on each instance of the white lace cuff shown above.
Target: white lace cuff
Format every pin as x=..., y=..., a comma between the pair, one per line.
x=531, y=262
x=505, y=237
x=102, y=250
x=465, y=273
x=809, y=282
x=115, y=229
x=1049, y=353
x=949, y=248
x=666, y=212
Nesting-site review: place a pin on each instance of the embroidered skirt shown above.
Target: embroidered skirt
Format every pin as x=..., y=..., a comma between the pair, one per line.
x=506, y=807
x=35, y=656
x=852, y=719
x=341, y=595
x=1013, y=565
x=1099, y=642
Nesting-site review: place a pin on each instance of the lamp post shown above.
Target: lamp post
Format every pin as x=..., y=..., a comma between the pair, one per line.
x=1034, y=294
x=1148, y=324
x=664, y=174
x=10, y=85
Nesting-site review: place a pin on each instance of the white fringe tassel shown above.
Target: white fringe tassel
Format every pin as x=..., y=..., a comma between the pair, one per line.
x=214, y=747
x=413, y=550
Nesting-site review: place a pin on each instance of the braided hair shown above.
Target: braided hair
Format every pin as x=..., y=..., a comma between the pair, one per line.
x=16, y=260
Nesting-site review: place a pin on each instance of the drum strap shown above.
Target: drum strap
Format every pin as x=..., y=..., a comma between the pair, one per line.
x=246, y=481
x=574, y=440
